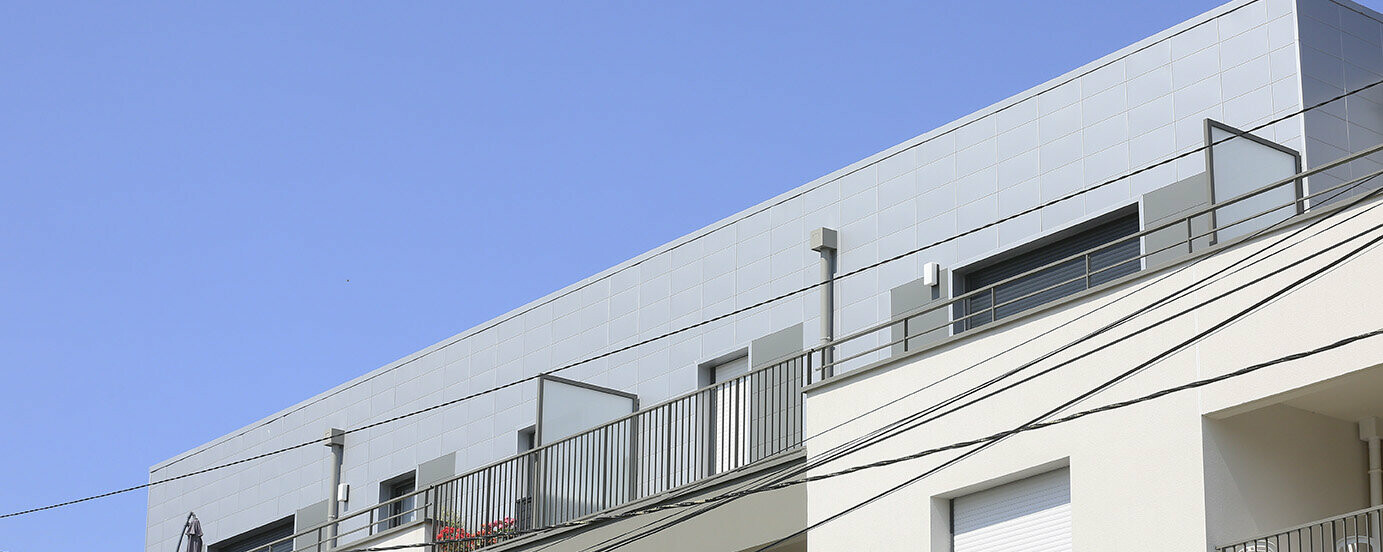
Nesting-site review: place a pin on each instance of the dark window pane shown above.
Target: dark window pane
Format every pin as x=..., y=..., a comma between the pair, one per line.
x=1053, y=282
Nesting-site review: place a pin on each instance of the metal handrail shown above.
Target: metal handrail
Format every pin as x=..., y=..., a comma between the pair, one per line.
x=715, y=429
x=913, y=333
x=778, y=429
x=827, y=365
x=1159, y=227
x=1328, y=535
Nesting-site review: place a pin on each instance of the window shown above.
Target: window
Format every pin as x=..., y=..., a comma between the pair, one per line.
x=527, y=439
x=1054, y=282
x=398, y=513
x=1032, y=514
x=257, y=539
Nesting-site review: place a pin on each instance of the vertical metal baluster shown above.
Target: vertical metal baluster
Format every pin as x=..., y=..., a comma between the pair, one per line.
x=742, y=413
x=1087, y=271
x=905, y=334
x=568, y=480
x=993, y=304
x=780, y=398
x=1190, y=236
x=681, y=407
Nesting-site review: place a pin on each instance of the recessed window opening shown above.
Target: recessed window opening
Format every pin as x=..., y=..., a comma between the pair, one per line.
x=1053, y=278
x=257, y=539
x=397, y=513
x=1029, y=514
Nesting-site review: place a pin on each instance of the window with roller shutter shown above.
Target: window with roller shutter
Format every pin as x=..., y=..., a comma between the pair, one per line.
x=1051, y=283
x=1031, y=515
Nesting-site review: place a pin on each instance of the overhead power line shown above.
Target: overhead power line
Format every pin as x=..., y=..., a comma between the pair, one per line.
x=877, y=435
x=995, y=437
x=881, y=158
x=707, y=321
x=689, y=327
x=902, y=425
x=1166, y=353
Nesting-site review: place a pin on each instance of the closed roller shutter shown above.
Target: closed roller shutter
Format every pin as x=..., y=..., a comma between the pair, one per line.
x=1032, y=514
x=1052, y=283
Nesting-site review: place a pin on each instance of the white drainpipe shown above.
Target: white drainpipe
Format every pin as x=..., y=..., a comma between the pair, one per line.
x=1368, y=431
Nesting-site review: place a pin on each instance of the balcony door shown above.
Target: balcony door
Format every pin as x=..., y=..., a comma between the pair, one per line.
x=732, y=396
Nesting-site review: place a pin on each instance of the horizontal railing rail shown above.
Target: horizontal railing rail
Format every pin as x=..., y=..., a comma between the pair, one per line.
x=1357, y=531
x=717, y=429
x=865, y=346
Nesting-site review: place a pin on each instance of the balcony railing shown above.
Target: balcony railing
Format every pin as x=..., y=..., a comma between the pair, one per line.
x=1183, y=236
x=1353, y=532
x=717, y=429
x=713, y=430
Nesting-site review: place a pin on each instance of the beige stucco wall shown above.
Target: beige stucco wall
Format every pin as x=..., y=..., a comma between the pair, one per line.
x=1279, y=467
x=1139, y=476
x=404, y=535
x=743, y=524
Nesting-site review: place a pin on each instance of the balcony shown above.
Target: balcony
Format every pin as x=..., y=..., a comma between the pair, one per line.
x=1353, y=532
x=670, y=450
x=716, y=437
x=1295, y=458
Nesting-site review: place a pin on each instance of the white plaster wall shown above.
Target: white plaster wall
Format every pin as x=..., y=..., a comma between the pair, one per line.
x=415, y=534
x=1279, y=467
x=1140, y=475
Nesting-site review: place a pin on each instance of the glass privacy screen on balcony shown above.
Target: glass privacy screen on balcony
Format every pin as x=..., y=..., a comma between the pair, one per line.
x=1054, y=282
x=1241, y=165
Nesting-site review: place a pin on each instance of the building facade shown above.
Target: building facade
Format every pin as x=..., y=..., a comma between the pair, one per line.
x=993, y=197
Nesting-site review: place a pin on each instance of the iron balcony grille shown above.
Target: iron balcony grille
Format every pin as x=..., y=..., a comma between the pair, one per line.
x=1353, y=532
x=716, y=429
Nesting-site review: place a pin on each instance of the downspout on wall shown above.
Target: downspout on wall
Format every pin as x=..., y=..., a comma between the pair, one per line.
x=826, y=241
x=1368, y=432
x=336, y=440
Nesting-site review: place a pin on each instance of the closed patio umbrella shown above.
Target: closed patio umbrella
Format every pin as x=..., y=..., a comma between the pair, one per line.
x=192, y=533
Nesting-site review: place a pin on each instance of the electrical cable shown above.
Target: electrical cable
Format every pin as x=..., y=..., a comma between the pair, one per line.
x=1105, y=385
x=844, y=174
x=711, y=320
x=842, y=450
x=1033, y=426
x=1221, y=274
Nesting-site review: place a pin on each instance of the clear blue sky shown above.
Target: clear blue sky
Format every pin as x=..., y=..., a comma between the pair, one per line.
x=212, y=211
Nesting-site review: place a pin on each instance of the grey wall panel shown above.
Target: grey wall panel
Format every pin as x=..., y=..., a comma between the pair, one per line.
x=915, y=295
x=437, y=469
x=775, y=346
x=304, y=518
x=1171, y=203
